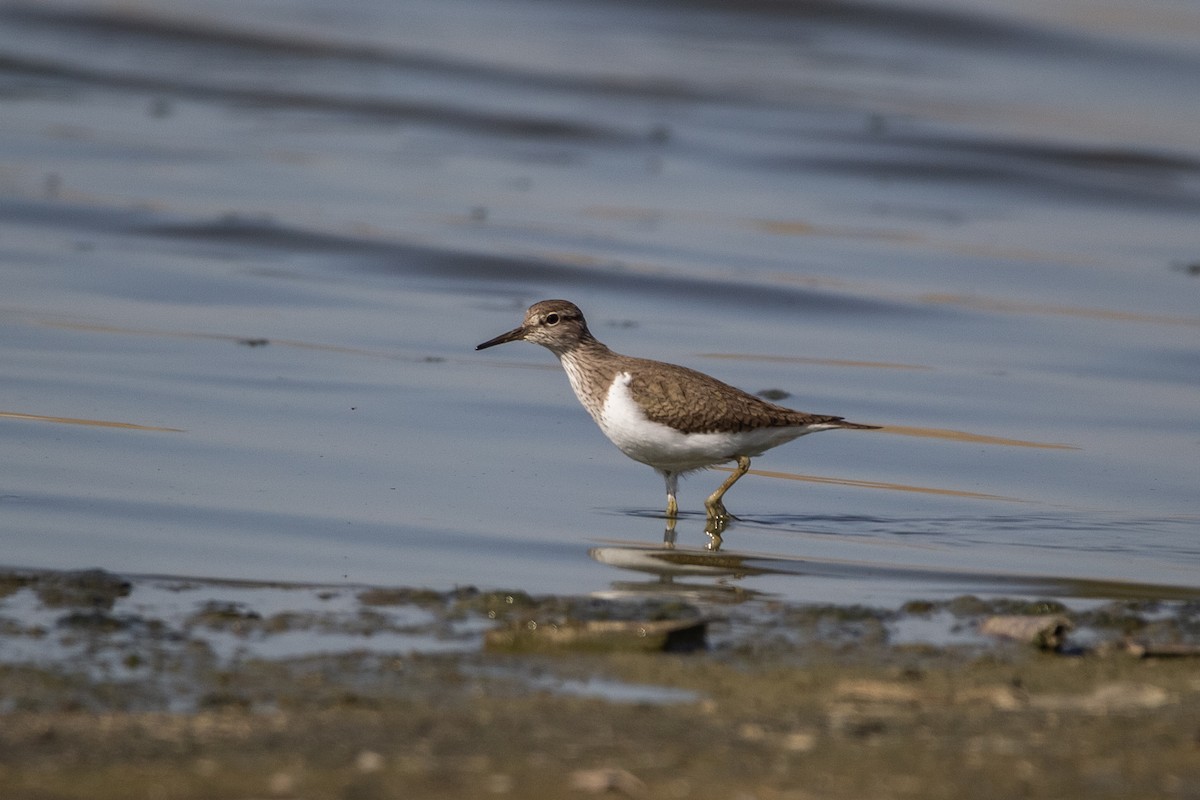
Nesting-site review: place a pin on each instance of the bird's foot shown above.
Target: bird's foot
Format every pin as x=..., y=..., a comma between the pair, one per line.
x=714, y=527
x=672, y=508
x=716, y=511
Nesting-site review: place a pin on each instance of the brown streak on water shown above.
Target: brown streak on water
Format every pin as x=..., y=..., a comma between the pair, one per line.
x=98, y=423
x=1016, y=307
x=826, y=362
x=974, y=438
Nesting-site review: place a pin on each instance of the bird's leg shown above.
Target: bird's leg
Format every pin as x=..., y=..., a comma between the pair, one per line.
x=672, y=480
x=716, y=509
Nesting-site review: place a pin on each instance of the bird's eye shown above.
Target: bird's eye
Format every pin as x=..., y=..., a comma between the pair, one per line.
x=552, y=319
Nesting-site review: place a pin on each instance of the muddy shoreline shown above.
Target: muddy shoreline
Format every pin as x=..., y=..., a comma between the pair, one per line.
x=109, y=689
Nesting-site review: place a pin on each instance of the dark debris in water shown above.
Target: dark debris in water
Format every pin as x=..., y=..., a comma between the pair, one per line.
x=672, y=636
x=94, y=622
x=93, y=588
x=400, y=597
x=216, y=615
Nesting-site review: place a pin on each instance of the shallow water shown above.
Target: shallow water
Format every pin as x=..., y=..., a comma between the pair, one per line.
x=264, y=240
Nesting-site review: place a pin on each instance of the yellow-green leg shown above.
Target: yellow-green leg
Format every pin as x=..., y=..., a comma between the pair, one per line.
x=672, y=480
x=716, y=509
x=669, y=534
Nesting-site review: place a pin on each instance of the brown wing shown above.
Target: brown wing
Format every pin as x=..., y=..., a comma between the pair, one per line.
x=693, y=402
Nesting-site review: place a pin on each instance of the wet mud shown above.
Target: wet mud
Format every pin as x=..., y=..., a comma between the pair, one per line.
x=111, y=689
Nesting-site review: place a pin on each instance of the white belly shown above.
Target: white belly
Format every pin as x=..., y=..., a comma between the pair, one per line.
x=665, y=448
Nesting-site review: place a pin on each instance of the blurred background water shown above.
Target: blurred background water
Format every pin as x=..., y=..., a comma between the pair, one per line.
x=246, y=251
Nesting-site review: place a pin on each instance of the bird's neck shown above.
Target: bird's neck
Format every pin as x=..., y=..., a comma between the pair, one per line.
x=591, y=368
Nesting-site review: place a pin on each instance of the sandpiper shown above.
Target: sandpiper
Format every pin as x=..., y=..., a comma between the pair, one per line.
x=670, y=417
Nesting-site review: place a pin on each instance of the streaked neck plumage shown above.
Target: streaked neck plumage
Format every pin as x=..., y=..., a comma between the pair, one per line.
x=591, y=368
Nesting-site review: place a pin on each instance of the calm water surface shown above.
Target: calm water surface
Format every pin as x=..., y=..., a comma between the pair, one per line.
x=264, y=239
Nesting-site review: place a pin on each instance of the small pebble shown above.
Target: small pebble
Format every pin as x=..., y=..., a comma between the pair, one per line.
x=281, y=783
x=369, y=761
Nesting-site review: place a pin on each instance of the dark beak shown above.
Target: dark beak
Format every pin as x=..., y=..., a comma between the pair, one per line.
x=515, y=335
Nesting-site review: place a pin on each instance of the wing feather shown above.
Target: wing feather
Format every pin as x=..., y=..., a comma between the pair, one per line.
x=693, y=402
